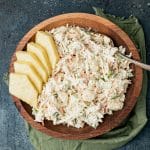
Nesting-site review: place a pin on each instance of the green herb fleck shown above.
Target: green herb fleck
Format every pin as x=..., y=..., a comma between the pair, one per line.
x=116, y=96
x=56, y=114
x=75, y=121
x=103, y=79
x=110, y=73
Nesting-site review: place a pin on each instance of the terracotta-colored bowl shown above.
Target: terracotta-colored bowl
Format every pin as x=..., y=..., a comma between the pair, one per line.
x=119, y=37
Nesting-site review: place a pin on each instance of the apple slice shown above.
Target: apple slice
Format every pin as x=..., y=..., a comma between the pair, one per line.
x=29, y=70
x=41, y=53
x=47, y=42
x=21, y=87
x=32, y=59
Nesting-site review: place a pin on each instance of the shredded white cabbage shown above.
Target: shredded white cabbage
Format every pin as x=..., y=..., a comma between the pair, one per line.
x=89, y=81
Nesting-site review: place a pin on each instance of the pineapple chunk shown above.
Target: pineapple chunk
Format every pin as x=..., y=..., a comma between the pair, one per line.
x=31, y=58
x=41, y=53
x=47, y=42
x=29, y=70
x=21, y=87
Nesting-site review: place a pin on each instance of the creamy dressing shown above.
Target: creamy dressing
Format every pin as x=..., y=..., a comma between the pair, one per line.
x=89, y=81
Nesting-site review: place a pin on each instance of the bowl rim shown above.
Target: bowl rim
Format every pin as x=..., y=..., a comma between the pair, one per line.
x=93, y=133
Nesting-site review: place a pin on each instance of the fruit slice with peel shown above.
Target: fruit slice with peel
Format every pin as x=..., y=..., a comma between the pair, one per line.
x=41, y=53
x=21, y=87
x=31, y=58
x=47, y=42
x=29, y=70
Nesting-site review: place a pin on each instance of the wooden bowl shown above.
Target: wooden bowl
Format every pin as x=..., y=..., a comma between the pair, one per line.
x=119, y=37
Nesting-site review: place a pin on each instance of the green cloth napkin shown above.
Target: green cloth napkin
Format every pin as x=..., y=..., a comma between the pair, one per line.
x=118, y=136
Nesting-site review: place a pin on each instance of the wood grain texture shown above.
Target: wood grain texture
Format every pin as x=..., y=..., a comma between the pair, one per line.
x=119, y=37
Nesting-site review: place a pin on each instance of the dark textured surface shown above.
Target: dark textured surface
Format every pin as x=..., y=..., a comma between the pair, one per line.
x=17, y=17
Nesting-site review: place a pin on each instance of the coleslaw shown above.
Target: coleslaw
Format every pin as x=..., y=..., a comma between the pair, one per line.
x=89, y=81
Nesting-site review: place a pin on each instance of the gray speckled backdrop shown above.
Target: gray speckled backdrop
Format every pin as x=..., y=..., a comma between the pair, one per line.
x=17, y=17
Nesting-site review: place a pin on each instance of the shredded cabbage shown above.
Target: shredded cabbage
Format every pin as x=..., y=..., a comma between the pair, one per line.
x=89, y=81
